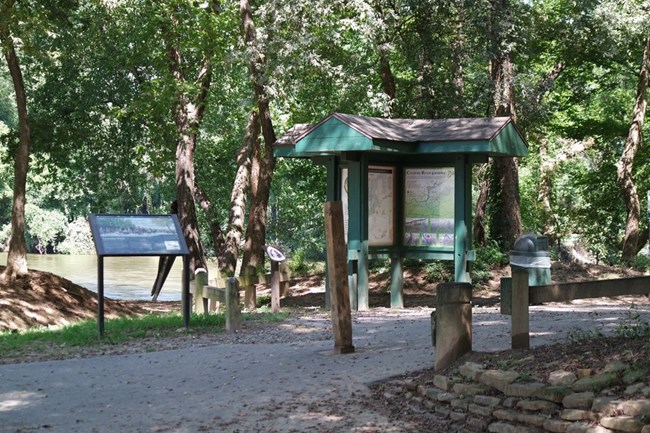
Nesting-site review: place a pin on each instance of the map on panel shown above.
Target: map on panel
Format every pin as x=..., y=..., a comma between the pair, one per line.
x=429, y=207
x=381, y=203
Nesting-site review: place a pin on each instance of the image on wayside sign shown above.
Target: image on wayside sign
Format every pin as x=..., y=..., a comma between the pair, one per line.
x=155, y=235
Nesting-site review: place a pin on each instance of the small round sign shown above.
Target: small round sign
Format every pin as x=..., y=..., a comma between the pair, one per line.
x=275, y=254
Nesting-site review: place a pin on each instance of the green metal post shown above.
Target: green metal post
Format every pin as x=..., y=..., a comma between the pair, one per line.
x=462, y=208
x=396, y=281
x=358, y=226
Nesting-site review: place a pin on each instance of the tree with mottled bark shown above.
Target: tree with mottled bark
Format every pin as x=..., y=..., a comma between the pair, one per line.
x=263, y=161
x=189, y=112
x=505, y=218
x=229, y=254
x=625, y=165
x=17, y=257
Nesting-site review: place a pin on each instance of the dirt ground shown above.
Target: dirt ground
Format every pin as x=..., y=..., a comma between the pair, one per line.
x=44, y=299
x=47, y=300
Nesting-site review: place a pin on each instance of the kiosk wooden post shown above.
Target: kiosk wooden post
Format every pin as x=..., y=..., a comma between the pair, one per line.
x=520, y=301
x=338, y=278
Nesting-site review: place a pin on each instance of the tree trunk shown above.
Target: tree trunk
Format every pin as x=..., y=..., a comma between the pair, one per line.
x=386, y=73
x=17, y=257
x=505, y=218
x=228, y=260
x=547, y=168
x=188, y=117
x=185, y=184
x=383, y=51
x=478, y=230
x=263, y=161
x=458, y=47
x=625, y=165
x=545, y=190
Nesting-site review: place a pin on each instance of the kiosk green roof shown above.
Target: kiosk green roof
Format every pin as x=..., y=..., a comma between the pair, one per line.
x=338, y=133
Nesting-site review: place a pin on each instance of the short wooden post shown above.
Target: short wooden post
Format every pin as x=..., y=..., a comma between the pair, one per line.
x=275, y=287
x=506, y=296
x=338, y=278
x=520, y=301
x=233, y=312
x=452, y=323
x=285, y=276
x=200, y=280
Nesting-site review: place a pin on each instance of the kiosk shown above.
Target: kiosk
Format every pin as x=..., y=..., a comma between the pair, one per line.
x=405, y=184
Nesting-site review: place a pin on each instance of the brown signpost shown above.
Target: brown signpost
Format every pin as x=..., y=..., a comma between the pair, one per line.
x=338, y=277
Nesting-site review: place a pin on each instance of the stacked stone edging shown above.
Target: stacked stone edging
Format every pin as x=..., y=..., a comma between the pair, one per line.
x=475, y=399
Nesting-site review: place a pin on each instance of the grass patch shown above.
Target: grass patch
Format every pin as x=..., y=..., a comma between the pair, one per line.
x=116, y=331
x=76, y=337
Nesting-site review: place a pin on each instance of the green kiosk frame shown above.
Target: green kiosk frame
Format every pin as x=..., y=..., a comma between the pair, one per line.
x=407, y=184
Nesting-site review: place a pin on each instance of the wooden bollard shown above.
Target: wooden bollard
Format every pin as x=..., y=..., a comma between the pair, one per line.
x=338, y=278
x=200, y=281
x=275, y=287
x=233, y=312
x=452, y=323
x=520, y=332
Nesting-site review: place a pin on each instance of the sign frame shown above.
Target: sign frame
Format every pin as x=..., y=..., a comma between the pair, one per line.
x=119, y=235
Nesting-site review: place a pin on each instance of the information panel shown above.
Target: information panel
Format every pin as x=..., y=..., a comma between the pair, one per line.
x=429, y=207
x=137, y=235
x=381, y=205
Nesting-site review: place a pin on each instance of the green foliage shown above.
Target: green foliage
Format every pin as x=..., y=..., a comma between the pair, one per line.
x=298, y=265
x=43, y=227
x=641, y=263
x=488, y=257
x=78, y=238
x=296, y=209
x=116, y=331
x=102, y=102
x=633, y=325
x=439, y=271
x=579, y=335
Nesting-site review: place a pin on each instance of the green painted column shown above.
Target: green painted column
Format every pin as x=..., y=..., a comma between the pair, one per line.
x=358, y=231
x=462, y=218
x=396, y=280
x=397, y=255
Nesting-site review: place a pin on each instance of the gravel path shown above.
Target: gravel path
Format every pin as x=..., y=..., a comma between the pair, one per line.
x=281, y=379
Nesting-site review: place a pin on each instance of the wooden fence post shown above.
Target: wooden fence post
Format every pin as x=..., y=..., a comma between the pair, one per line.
x=520, y=302
x=233, y=312
x=200, y=280
x=338, y=277
x=275, y=287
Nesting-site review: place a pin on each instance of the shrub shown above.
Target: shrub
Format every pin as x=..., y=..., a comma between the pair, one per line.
x=78, y=238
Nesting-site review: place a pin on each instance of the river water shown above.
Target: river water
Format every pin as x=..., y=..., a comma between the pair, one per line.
x=124, y=277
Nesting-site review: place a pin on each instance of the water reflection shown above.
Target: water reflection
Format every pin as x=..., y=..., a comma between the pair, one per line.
x=124, y=277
